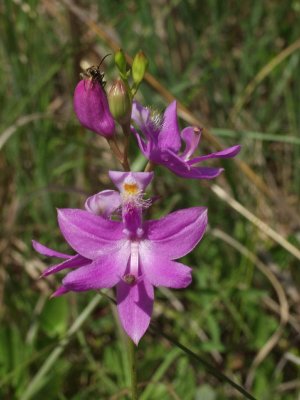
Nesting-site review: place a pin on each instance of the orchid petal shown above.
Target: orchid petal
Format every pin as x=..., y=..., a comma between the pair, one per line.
x=226, y=153
x=103, y=203
x=105, y=272
x=135, y=304
x=144, y=146
x=176, y=234
x=162, y=272
x=191, y=136
x=141, y=179
x=74, y=262
x=59, y=292
x=201, y=173
x=90, y=235
x=182, y=168
x=46, y=251
x=169, y=135
x=142, y=118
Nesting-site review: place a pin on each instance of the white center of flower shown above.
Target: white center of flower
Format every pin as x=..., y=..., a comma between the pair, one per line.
x=134, y=258
x=132, y=276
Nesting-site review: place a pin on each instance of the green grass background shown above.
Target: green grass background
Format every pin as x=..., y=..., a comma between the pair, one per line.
x=205, y=53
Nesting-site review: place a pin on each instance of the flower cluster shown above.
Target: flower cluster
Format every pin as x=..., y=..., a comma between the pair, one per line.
x=113, y=243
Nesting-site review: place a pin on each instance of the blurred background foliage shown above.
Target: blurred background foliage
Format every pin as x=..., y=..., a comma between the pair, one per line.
x=242, y=312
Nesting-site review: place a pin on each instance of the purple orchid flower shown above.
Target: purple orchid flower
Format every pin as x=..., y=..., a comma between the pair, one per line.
x=132, y=254
x=161, y=143
x=91, y=108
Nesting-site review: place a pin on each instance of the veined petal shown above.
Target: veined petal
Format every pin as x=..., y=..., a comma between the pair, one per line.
x=162, y=272
x=169, y=135
x=176, y=234
x=105, y=272
x=90, y=235
x=141, y=116
x=73, y=262
x=226, y=153
x=135, y=304
x=46, y=251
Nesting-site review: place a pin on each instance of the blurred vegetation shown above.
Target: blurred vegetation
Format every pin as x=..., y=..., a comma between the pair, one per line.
x=235, y=312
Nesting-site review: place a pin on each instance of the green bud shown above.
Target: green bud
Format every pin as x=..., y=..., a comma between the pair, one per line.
x=139, y=67
x=119, y=102
x=120, y=61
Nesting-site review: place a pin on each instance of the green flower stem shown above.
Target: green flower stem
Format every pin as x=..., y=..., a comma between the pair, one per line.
x=118, y=153
x=126, y=131
x=149, y=167
x=133, y=370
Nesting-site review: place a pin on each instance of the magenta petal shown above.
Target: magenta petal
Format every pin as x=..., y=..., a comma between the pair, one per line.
x=141, y=116
x=45, y=251
x=182, y=168
x=135, y=304
x=59, y=292
x=105, y=272
x=191, y=136
x=162, y=272
x=141, y=179
x=144, y=146
x=176, y=234
x=91, y=108
x=226, y=153
x=74, y=262
x=90, y=235
x=169, y=136
x=201, y=173
x=103, y=203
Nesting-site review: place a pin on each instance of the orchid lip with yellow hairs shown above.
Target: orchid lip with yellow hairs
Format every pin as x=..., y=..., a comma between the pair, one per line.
x=132, y=254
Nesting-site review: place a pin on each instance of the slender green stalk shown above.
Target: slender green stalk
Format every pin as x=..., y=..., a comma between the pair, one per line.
x=133, y=370
x=126, y=131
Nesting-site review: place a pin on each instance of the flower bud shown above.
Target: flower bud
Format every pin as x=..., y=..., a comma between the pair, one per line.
x=91, y=108
x=119, y=102
x=120, y=61
x=139, y=67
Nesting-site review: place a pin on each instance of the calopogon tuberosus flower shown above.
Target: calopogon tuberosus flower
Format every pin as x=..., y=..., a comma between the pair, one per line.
x=132, y=254
x=160, y=140
x=91, y=108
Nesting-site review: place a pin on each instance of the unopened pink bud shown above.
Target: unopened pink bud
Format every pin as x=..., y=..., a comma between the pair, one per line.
x=91, y=108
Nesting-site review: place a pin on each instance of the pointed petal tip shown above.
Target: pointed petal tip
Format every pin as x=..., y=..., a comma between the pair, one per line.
x=34, y=244
x=135, y=338
x=173, y=103
x=53, y=295
x=59, y=292
x=136, y=341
